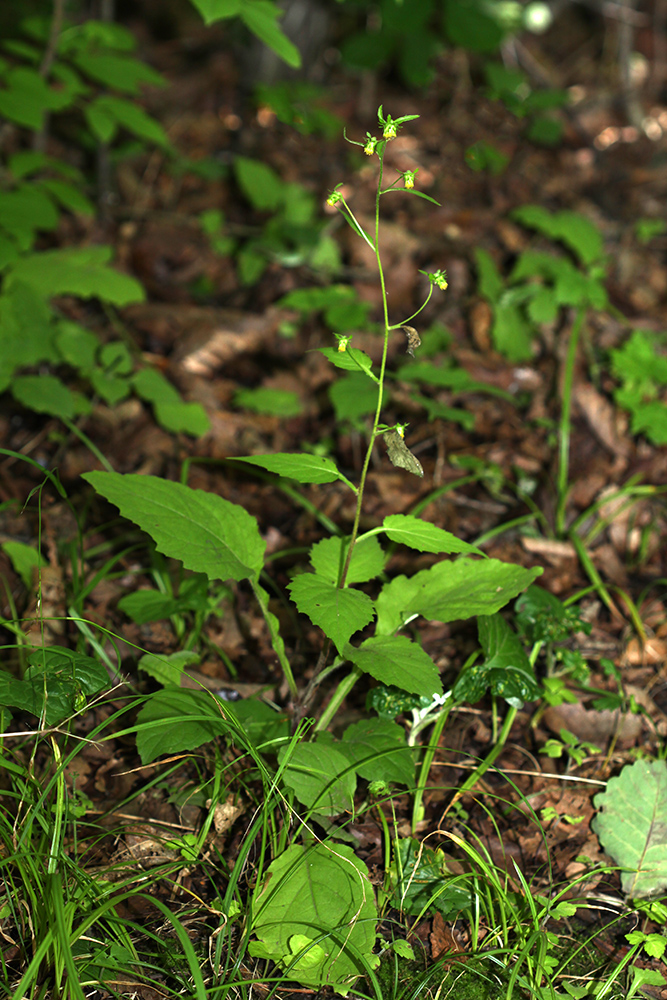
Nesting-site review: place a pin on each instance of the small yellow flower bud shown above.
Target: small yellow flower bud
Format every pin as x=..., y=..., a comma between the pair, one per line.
x=409, y=179
x=342, y=344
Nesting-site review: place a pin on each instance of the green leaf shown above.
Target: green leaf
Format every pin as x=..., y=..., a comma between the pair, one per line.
x=339, y=613
x=451, y=590
x=26, y=98
x=327, y=558
x=303, y=468
x=24, y=211
x=424, y=536
x=421, y=881
x=207, y=533
x=354, y=396
x=47, y=394
x=167, y=670
x=399, y=661
x=129, y=116
x=490, y=283
x=175, y=719
x=259, y=183
x=24, y=558
x=511, y=334
x=123, y=73
x=322, y=778
x=323, y=893
x=351, y=360
x=216, y=10
x=261, y=17
x=276, y=402
x=571, y=228
x=53, y=684
x=632, y=826
x=506, y=669
x=379, y=752
x=78, y=271
x=173, y=413
x=69, y=196
x=26, y=331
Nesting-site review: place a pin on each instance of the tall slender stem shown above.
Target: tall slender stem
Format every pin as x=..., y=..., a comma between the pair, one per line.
x=564, y=429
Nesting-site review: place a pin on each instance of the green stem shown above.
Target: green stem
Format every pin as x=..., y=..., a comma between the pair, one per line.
x=88, y=443
x=339, y=695
x=277, y=643
x=564, y=430
x=425, y=766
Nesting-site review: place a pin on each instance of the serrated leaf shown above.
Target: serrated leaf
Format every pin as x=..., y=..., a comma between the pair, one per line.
x=322, y=777
x=47, y=394
x=328, y=557
x=424, y=536
x=78, y=271
x=167, y=670
x=451, y=590
x=339, y=613
x=379, y=752
x=399, y=661
x=632, y=826
x=351, y=360
x=303, y=468
x=207, y=533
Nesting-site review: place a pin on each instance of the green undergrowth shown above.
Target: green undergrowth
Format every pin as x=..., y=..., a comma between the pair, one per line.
x=269, y=883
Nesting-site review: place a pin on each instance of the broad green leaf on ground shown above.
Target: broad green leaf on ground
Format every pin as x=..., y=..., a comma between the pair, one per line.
x=339, y=613
x=207, y=533
x=422, y=882
x=451, y=590
x=54, y=683
x=81, y=271
x=175, y=719
x=399, y=661
x=315, y=916
x=322, y=777
x=424, y=536
x=26, y=330
x=328, y=557
x=172, y=412
x=260, y=184
x=168, y=670
x=506, y=669
x=379, y=752
x=261, y=725
x=303, y=468
x=632, y=826
x=47, y=394
x=571, y=228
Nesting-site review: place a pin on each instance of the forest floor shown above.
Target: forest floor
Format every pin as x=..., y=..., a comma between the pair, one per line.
x=213, y=336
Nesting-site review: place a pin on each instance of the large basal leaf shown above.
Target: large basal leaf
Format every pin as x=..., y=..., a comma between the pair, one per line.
x=506, y=669
x=399, y=661
x=328, y=558
x=54, y=683
x=379, y=752
x=175, y=719
x=632, y=826
x=303, y=468
x=339, y=613
x=451, y=590
x=315, y=916
x=207, y=533
x=424, y=536
x=321, y=776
